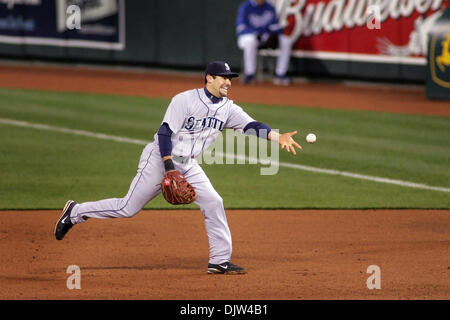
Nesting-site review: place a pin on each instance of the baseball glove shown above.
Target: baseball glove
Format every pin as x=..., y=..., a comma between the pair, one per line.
x=176, y=189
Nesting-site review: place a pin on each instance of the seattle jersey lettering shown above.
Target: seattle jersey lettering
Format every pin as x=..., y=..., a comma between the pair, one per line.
x=209, y=122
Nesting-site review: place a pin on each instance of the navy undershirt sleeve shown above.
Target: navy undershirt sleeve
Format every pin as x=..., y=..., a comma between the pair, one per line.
x=258, y=128
x=165, y=140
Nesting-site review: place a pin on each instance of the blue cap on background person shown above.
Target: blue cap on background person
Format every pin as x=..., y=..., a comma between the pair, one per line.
x=220, y=68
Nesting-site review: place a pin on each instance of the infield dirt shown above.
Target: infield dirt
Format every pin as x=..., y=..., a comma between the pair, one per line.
x=289, y=255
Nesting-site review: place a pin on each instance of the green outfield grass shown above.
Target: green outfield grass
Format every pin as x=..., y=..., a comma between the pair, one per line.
x=42, y=169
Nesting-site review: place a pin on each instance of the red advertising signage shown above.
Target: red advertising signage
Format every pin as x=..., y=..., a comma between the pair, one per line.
x=387, y=31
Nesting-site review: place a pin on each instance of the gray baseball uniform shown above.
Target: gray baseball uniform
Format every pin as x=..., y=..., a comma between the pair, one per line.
x=196, y=121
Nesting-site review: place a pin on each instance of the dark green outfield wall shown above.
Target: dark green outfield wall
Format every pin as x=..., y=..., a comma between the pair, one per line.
x=175, y=33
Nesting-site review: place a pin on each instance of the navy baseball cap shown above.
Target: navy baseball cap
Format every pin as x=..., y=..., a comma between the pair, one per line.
x=220, y=68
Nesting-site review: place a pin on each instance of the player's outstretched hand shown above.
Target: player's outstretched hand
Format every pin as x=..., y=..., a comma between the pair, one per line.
x=286, y=141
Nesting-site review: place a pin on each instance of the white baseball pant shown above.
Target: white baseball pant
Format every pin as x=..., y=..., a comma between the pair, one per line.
x=249, y=44
x=146, y=185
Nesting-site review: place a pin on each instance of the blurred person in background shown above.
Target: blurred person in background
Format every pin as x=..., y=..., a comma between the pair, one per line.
x=257, y=28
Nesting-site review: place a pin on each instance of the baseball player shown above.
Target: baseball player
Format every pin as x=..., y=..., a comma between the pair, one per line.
x=256, y=26
x=193, y=120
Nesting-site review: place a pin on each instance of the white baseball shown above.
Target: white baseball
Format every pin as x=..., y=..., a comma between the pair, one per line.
x=311, y=138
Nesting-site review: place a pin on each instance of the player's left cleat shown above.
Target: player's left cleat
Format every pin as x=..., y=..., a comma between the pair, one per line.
x=225, y=268
x=64, y=224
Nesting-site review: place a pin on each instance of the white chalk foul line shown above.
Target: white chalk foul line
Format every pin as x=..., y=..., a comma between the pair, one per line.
x=281, y=164
x=71, y=131
x=365, y=177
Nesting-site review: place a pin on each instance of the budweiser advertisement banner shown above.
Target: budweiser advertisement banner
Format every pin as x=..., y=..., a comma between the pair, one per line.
x=386, y=31
x=98, y=24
